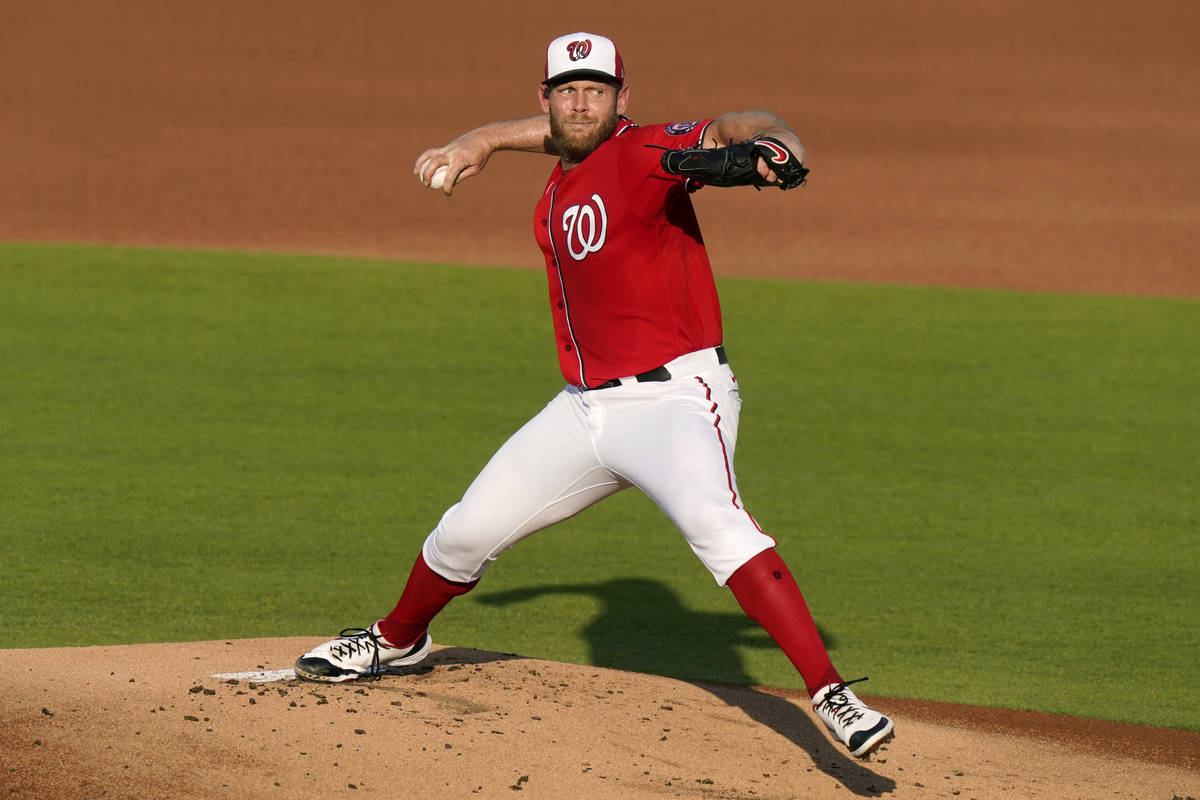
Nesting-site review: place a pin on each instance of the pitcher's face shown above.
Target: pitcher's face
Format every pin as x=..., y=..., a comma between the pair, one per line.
x=583, y=115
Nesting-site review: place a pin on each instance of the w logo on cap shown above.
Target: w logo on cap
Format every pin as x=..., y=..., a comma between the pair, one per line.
x=582, y=55
x=577, y=51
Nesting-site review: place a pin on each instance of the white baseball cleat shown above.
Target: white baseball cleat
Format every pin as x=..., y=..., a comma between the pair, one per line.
x=358, y=653
x=852, y=721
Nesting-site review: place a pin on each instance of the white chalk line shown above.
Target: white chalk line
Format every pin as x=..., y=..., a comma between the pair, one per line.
x=266, y=676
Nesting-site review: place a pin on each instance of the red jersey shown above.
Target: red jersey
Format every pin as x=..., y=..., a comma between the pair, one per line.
x=631, y=287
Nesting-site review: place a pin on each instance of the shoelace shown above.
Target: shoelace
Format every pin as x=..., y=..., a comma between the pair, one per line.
x=839, y=706
x=356, y=640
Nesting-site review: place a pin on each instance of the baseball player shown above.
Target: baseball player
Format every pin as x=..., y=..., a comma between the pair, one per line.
x=650, y=400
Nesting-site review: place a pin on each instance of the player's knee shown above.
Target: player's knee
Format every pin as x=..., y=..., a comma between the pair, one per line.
x=452, y=563
x=723, y=549
x=454, y=550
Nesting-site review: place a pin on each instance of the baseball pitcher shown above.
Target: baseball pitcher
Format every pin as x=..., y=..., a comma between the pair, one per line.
x=650, y=399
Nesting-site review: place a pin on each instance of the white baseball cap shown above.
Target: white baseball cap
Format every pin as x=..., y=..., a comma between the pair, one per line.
x=581, y=56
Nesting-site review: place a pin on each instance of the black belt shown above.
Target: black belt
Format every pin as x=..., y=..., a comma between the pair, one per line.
x=656, y=375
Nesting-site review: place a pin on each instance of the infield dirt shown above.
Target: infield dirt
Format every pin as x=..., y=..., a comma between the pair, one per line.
x=1023, y=144
x=152, y=721
x=1019, y=145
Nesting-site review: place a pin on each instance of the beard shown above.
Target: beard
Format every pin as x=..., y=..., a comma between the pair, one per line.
x=574, y=147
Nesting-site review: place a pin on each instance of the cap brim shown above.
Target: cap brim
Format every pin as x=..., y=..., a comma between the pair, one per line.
x=582, y=75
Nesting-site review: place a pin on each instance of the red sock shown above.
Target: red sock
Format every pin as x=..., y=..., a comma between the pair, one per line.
x=425, y=594
x=767, y=592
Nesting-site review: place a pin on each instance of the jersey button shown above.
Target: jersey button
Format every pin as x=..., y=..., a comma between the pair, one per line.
x=568, y=348
x=545, y=222
x=560, y=305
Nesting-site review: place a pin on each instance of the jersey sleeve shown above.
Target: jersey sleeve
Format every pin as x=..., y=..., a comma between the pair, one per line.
x=650, y=189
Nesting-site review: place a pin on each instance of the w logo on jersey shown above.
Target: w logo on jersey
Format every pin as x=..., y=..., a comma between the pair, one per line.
x=577, y=51
x=586, y=225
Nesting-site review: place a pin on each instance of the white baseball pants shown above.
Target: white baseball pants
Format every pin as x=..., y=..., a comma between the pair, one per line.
x=673, y=439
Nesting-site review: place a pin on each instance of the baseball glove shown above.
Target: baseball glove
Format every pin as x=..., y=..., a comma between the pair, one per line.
x=737, y=164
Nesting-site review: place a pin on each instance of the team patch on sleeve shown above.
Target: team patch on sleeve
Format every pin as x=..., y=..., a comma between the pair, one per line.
x=680, y=128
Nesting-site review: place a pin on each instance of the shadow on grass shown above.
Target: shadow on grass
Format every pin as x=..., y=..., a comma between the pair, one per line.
x=643, y=627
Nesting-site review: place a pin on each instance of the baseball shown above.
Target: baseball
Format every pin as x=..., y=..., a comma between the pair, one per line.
x=438, y=178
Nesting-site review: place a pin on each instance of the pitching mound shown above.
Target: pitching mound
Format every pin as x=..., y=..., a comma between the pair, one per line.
x=154, y=721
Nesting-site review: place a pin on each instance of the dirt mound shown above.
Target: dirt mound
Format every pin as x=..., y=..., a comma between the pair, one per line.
x=152, y=721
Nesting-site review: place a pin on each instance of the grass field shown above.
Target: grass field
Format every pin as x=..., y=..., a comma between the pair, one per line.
x=988, y=497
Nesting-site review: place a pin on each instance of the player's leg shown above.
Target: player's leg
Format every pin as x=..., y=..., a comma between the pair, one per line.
x=544, y=474
x=681, y=455
x=676, y=442
x=767, y=592
x=547, y=471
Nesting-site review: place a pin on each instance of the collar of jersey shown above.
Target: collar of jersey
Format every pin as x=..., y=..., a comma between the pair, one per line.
x=624, y=123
